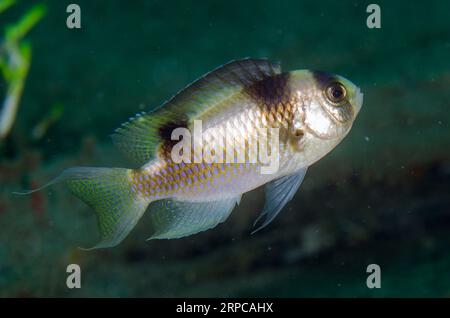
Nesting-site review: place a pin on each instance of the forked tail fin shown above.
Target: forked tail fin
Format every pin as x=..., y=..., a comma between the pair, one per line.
x=108, y=192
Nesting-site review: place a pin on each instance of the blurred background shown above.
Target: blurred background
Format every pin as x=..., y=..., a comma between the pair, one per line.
x=382, y=196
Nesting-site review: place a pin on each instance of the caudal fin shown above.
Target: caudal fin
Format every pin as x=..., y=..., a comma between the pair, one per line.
x=108, y=192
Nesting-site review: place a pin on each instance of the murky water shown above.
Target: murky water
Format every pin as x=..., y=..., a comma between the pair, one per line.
x=381, y=197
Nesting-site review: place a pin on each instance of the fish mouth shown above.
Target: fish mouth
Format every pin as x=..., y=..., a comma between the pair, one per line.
x=358, y=101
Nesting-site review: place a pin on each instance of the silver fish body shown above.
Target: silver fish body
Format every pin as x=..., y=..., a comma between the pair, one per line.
x=308, y=130
x=258, y=126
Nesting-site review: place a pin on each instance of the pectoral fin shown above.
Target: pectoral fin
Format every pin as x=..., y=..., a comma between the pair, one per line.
x=175, y=219
x=278, y=193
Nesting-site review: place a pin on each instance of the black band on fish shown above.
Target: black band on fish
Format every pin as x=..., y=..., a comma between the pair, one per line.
x=322, y=78
x=271, y=91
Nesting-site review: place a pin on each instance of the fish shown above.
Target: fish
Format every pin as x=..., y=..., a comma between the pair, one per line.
x=191, y=183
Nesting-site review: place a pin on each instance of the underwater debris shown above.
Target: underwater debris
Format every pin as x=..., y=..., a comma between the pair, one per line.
x=40, y=130
x=15, y=58
x=88, y=148
x=37, y=201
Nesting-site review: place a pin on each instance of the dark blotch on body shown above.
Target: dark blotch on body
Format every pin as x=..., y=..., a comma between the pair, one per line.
x=323, y=78
x=165, y=133
x=270, y=91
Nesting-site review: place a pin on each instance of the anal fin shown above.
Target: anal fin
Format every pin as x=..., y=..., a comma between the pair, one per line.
x=175, y=219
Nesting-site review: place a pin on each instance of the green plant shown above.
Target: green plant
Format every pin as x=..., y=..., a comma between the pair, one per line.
x=15, y=59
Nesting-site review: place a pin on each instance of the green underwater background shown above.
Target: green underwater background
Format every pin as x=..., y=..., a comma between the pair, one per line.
x=381, y=197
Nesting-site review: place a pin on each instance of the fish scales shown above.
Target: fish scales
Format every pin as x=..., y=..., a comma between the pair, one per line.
x=166, y=178
x=247, y=110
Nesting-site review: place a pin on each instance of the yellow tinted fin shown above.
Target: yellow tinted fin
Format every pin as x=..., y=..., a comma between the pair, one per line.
x=140, y=138
x=108, y=191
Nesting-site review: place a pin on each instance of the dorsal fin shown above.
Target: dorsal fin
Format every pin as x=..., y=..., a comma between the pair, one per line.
x=140, y=137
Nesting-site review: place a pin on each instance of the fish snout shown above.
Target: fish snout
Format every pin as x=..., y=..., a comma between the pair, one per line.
x=357, y=101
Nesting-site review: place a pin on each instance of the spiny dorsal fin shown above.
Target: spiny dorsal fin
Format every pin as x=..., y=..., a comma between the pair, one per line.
x=140, y=137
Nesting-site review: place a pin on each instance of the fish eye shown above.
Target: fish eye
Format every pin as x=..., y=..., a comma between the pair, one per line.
x=336, y=92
